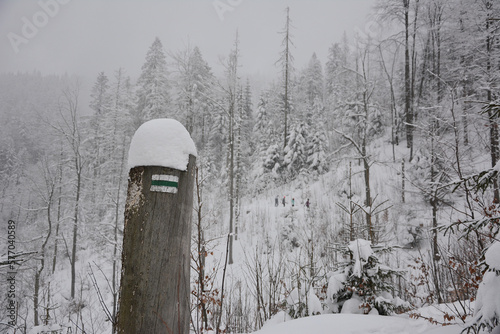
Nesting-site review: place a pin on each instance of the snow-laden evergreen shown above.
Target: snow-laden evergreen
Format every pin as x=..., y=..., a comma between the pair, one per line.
x=153, y=98
x=487, y=308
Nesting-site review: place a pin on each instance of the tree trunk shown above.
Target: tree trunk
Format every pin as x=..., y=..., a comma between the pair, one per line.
x=231, y=184
x=434, y=204
x=75, y=227
x=114, y=282
x=155, y=285
x=366, y=172
x=201, y=254
x=403, y=181
x=408, y=109
x=492, y=122
x=59, y=199
x=232, y=93
x=368, y=201
x=35, y=297
x=39, y=271
x=286, y=64
x=351, y=206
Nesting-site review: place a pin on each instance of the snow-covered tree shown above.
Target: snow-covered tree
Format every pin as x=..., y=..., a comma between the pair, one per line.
x=338, y=82
x=309, y=93
x=316, y=154
x=336, y=72
x=247, y=108
x=118, y=131
x=194, y=82
x=487, y=308
x=262, y=128
x=363, y=284
x=407, y=13
x=313, y=80
x=295, y=152
x=272, y=160
x=361, y=123
x=99, y=94
x=153, y=98
x=101, y=104
x=302, y=303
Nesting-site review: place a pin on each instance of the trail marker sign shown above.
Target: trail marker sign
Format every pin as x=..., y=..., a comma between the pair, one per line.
x=164, y=183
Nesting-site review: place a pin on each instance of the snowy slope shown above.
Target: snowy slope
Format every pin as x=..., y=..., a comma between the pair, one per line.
x=272, y=234
x=357, y=324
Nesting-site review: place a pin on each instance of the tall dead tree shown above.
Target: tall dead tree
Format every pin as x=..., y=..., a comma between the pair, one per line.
x=286, y=61
x=408, y=107
x=232, y=87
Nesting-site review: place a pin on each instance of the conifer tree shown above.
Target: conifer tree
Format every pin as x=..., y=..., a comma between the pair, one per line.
x=152, y=94
x=338, y=83
x=295, y=153
x=262, y=128
x=334, y=71
x=316, y=155
x=273, y=160
x=194, y=81
x=247, y=119
x=101, y=104
x=314, y=80
x=363, y=284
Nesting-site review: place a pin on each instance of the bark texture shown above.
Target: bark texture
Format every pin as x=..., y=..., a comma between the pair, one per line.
x=155, y=283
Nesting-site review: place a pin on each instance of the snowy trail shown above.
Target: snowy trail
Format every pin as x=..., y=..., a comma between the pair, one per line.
x=356, y=324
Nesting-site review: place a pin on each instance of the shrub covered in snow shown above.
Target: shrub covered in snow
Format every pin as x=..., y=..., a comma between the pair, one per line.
x=303, y=303
x=363, y=284
x=487, y=309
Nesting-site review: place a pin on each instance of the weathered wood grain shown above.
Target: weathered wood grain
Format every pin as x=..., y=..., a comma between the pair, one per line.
x=155, y=284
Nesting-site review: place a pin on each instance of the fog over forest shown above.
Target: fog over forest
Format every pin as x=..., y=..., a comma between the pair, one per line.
x=347, y=160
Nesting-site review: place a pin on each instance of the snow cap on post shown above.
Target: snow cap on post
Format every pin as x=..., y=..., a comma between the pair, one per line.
x=161, y=142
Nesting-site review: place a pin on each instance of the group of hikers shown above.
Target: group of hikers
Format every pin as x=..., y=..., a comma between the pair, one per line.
x=283, y=201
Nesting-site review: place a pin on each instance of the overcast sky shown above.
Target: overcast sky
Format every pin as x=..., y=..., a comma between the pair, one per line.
x=88, y=36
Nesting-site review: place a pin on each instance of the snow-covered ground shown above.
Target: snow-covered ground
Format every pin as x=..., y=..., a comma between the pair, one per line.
x=262, y=223
x=356, y=324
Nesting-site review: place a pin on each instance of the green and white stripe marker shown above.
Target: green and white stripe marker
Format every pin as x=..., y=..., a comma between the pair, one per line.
x=164, y=183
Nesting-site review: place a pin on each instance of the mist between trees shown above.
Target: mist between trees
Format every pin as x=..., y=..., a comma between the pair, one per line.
x=393, y=141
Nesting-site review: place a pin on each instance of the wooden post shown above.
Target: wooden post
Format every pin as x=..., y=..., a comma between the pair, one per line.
x=155, y=281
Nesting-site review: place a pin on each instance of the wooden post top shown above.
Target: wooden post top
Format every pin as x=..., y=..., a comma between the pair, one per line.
x=161, y=142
